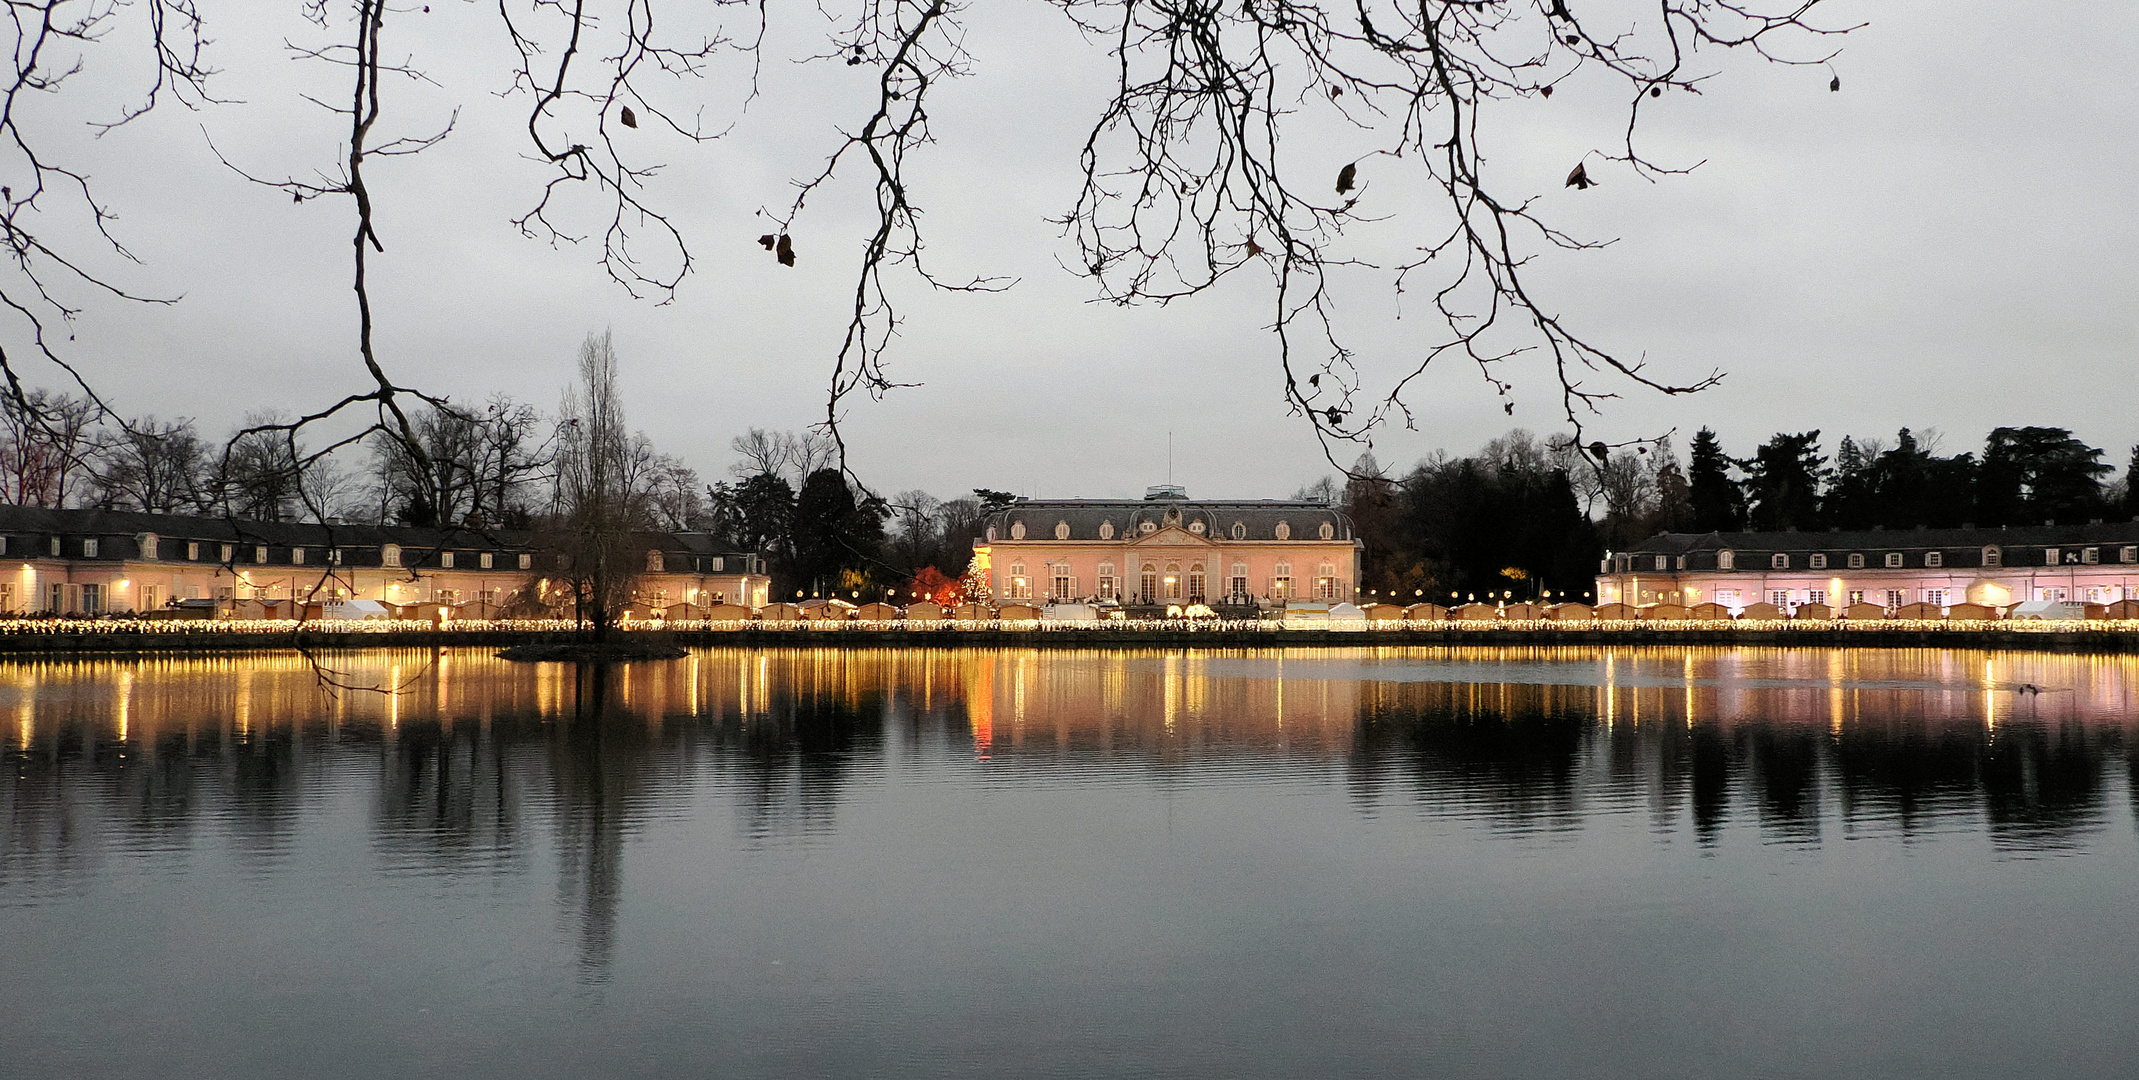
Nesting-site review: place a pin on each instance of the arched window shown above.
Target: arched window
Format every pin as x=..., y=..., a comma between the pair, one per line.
x=653, y=561
x=1240, y=531
x=1147, y=583
x=1726, y=559
x=148, y=546
x=1147, y=527
x=1856, y=560
x=1284, y=531
x=1196, y=527
x=1173, y=581
x=991, y=534
x=1106, y=530
x=1017, y=530
x=1281, y=582
x=1328, y=530
x=1061, y=530
x=1195, y=582
x=1106, y=580
x=1992, y=556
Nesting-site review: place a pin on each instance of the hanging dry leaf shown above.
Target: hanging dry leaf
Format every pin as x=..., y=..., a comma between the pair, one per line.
x=1345, y=176
x=630, y=120
x=769, y=240
x=786, y=251
x=1579, y=179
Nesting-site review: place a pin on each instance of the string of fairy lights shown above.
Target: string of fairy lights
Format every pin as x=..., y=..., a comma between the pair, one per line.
x=1379, y=628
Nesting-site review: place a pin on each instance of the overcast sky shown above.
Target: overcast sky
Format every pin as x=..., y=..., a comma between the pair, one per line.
x=1944, y=244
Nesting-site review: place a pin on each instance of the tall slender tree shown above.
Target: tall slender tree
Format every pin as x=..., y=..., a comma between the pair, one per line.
x=1717, y=504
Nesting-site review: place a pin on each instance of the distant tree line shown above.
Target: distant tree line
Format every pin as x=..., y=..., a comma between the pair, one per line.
x=1525, y=516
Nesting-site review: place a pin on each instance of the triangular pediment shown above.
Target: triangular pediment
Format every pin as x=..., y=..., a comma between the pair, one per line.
x=1172, y=536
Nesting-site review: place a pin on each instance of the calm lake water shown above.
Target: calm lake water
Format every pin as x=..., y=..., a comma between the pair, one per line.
x=1552, y=862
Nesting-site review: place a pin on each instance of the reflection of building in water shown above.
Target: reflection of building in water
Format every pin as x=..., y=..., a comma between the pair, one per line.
x=478, y=762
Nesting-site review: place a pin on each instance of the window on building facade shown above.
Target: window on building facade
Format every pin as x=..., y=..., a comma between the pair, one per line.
x=2050, y=594
x=1239, y=591
x=89, y=548
x=334, y=556
x=1779, y=561
x=1992, y=556
x=193, y=551
x=1680, y=562
x=2049, y=556
x=1106, y=580
x=1856, y=596
x=1061, y=582
x=297, y=556
x=654, y=561
x=1779, y=597
x=92, y=599
x=1726, y=559
x=1061, y=530
x=1325, y=582
x=1815, y=596
x=1148, y=527
x=445, y=559
x=56, y=598
x=390, y=555
x=1106, y=530
x=484, y=560
x=1662, y=563
x=1895, y=598
x=527, y=562
x=1893, y=560
x=1240, y=531
x=1196, y=527
x=1017, y=530
x=7, y=596
x=1328, y=531
x=1281, y=581
x=1284, y=530
x=1818, y=561
x=1934, y=558
x=260, y=553
x=2091, y=556
x=1173, y=581
x=1147, y=582
x=2128, y=553
x=1935, y=597
x=1856, y=560
x=1195, y=582
x=1020, y=585
x=148, y=546
x=55, y=545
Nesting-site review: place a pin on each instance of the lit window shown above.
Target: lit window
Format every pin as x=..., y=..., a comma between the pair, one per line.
x=260, y=553
x=1779, y=561
x=1106, y=580
x=1147, y=583
x=1893, y=560
x=1934, y=558
x=297, y=556
x=1726, y=560
x=1281, y=581
x=1173, y=581
x=193, y=551
x=1819, y=562
x=1325, y=582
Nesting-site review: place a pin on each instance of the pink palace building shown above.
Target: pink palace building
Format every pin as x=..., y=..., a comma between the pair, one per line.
x=1169, y=549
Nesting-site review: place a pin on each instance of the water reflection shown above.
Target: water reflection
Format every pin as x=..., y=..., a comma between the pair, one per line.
x=485, y=768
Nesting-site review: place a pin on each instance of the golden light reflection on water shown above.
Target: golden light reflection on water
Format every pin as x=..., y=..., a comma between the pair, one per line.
x=1014, y=698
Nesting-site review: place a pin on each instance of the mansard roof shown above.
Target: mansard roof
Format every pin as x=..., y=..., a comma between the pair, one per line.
x=2018, y=545
x=1259, y=518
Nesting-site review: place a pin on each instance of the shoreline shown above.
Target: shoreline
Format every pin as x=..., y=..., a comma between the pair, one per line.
x=155, y=643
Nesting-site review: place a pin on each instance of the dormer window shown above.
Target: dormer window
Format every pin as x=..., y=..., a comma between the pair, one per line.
x=1148, y=527
x=1893, y=560
x=527, y=562
x=445, y=559
x=260, y=553
x=390, y=555
x=653, y=561
x=1196, y=527
x=1284, y=531
x=1328, y=531
x=1106, y=530
x=89, y=548
x=1662, y=563
x=485, y=559
x=1726, y=559
x=1061, y=530
x=1819, y=561
x=1778, y=561
x=297, y=556
x=1240, y=531
x=55, y=546
x=1934, y=558
x=1856, y=560
x=1992, y=556
x=148, y=546
x=1017, y=530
